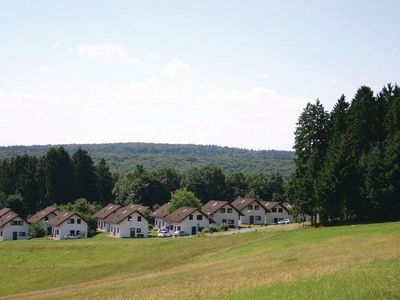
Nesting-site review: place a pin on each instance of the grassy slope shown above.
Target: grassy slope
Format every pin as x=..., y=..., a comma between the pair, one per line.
x=339, y=262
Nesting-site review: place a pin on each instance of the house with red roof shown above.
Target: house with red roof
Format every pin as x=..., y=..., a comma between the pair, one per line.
x=252, y=211
x=222, y=212
x=44, y=216
x=188, y=219
x=68, y=223
x=12, y=226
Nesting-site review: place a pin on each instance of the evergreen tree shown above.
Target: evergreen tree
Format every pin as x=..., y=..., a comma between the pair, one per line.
x=84, y=175
x=104, y=183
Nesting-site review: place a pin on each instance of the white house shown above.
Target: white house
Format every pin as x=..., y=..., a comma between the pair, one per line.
x=68, y=222
x=221, y=212
x=44, y=216
x=128, y=222
x=188, y=219
x=159, y=214
x=12, y=226
x=103, y=214
x=276, y=212
x=252, y=211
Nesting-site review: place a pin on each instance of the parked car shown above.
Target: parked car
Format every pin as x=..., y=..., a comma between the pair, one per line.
x=69, y=236
x=284, y=221
x=180, y=233
x=164, y=233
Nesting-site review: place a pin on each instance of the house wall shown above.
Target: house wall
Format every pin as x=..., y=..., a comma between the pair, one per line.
x=123, y=229
x=8, y=229
x=218, y=217
x=259, y=214
x=186, y=225
x=160, y=223
x=273, y=217
x=102, y=225
x=66, y=228
x=46, y=224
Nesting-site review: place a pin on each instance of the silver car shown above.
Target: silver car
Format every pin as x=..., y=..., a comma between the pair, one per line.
x=284, y=221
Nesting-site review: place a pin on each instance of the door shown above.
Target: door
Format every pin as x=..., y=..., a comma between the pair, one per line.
x=15, y=235
x=132, y=232
x=251, y=219
x=193, y=230
x=48, y=230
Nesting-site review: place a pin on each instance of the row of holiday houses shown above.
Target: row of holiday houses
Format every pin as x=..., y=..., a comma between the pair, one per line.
x=131, y=221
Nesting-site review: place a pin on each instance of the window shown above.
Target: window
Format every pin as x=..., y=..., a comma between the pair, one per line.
x=139, y=218
x=78, y=232
x=1, y=233
x=57, y=232
x=21, y=233
x=223, y=221
x=171, y=227
x=222, y=210
x=78, y=221
x=274, y=209
x=257, y=218
x=130, y=219
x=139, y=230
x=280, y=209
x=13, y=223
x=250, y=207
x=199, y=217
x=71, y=221
x=117, y=229
x=257, y=207
x=231, y=222
x=72, y=232
x=229, y=210
x=178, y=227
x=46, y=218
x=190, y=217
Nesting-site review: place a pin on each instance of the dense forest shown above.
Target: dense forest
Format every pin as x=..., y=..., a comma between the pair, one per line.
x=347, y=165
x=122, y=157
x=30, y=183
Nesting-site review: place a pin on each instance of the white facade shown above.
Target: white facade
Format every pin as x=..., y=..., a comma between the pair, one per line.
x=192, y=224
x=102, y=225
x=74, y=225
x=277, y=213
x=134, y=225
x=227, y=215
x=253, y=213
x=45, y=222
x=160, y=223
x=17, y=229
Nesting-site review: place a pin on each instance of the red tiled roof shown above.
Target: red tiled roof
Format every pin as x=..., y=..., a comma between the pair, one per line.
x=62, y=217
x=43, y=213
x=7, y=217
x=107, y=210
x=241, y=203
x=213, y=206
x=161, y=212
x=123, y=212
x=4, y=210
x=181, y=213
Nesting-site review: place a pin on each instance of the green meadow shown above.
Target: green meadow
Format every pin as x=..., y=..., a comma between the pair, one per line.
x=280, y=262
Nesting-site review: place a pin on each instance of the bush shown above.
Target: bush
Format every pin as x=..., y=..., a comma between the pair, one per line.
x=224, y=227
x=37, y=230
x=211, y=229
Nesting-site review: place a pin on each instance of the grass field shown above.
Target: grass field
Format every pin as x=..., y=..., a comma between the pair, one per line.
x=284, y=262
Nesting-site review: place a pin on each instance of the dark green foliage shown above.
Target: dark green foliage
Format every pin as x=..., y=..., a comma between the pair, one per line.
x=104, y=183
x=37, y=230
x=84, y=175
x=16, y=203
x=122, y=157
x=351, y=172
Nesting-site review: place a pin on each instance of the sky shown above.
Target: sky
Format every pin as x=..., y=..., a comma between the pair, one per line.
x=228, y=73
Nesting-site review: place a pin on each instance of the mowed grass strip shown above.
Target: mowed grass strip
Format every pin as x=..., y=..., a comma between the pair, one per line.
x=252, y=265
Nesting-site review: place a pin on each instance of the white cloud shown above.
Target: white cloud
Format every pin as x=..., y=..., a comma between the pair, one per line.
x=44, y=70
x=265, y=75
x=151, y=110
x=176, y=69
x=56, y=44
x=107, y=51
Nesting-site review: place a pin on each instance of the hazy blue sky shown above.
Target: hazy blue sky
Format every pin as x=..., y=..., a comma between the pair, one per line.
x=235, y=73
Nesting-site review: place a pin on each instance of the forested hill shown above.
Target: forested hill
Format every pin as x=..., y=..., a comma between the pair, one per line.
x=121, y=157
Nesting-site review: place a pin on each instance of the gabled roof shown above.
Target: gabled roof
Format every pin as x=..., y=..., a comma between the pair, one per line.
x=287, y=205
x=123, y=212
x=42, y=214
x=181, y=213
x=7, y=217
x=242, y=203
x=161, y=212
x=213, y=206
x=271, y=204
x=62, y=217
x=4, y=210
x=107, y=210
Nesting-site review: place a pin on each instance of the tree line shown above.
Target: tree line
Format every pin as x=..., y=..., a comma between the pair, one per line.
x=347, y=161
x=31, y=183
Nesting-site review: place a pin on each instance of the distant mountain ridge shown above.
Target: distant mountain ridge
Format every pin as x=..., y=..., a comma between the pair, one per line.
x=123, y=156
